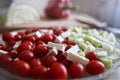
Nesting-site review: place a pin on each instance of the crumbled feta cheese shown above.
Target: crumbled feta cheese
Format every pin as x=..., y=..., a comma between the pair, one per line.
x=59, y=39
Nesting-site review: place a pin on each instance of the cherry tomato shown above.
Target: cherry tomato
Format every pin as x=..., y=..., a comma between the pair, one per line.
x=91, y=56
x=28, y=42
x=24, y=46
x=76, y=70
x=22, y=34
x=68, y=47
x=39, y=72
x=8, y=48
x=57, y=32
x=4, y=60
x=2, y=47
x=40, y=51
x=66, y=63
x=11, y=43
x=64, y=29
x=95, y=67
x=26, y=55
x=18, y=37
x=47, y=38
x=7, y=37
x=20, y=68
x=40, y=42
x=47, y=61
x=28, y=31
x=13, y=55
x=58, y=71
x=29, y=38
x=60, y=56
x=35, y=62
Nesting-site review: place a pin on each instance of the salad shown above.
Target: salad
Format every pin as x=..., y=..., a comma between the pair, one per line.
x=58, y=53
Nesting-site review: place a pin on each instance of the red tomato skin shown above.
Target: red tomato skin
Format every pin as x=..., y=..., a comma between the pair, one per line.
x=28, y=42
x=29, y=38
x=7, y=37
x=39, y=72
x=20, y=68
x=13, y=55
x=58, y=71
x=95, y=67
x=35, y=62
x=91, y=56
x=76, y=70
x=26, y=55
x=57, y=32
x=4, y=60
x=68, y=47
x=24, y=46
x=18, y=37
x=47, y=61
x=40, y=42
x=47, y=38
x=2, y=47
x=40, y=51
x=66, y=63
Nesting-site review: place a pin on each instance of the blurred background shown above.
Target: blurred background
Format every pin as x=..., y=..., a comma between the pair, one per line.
x=103, y=10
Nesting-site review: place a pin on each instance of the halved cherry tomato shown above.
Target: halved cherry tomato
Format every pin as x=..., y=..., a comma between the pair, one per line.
x=26, y=55
x=95, y=67
x=76, y=70
x=58, y=71
x=39, y=72
x=91, y=56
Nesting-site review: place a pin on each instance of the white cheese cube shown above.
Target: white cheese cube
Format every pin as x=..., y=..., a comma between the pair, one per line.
x=66, y=34
x=60, y=47
x=77, y=58
x=53, y=51
x=16, y=44
x=73, y=49
x=102, y=53
x=46, y=31
x=59, y=39
x=3, y=52
x=36, y=34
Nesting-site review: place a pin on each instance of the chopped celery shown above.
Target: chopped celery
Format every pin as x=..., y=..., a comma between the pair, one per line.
x=93, y=40
x=83, y=46
x=106, y=61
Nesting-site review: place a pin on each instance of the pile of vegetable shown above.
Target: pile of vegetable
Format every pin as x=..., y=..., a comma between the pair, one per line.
x=57, y=53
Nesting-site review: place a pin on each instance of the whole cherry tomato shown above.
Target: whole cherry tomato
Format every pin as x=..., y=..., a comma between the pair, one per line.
x=47, y=61
x=29, y=38
x=22, y=34
x=76, y=70
x=91, y=56
x=40, y=42
x=40, y=51
x=39, y=72
x=57, y=32
x=28, y=42
x=47, y=38
x=35, y=62
x=66, y=63
x=4, y=60
x=95, y=67
x=20, y=68
x=7, y=37
x=24, y=46
x=68, y=47
x=26, y=55
x=18, y=37
x=58, y=71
